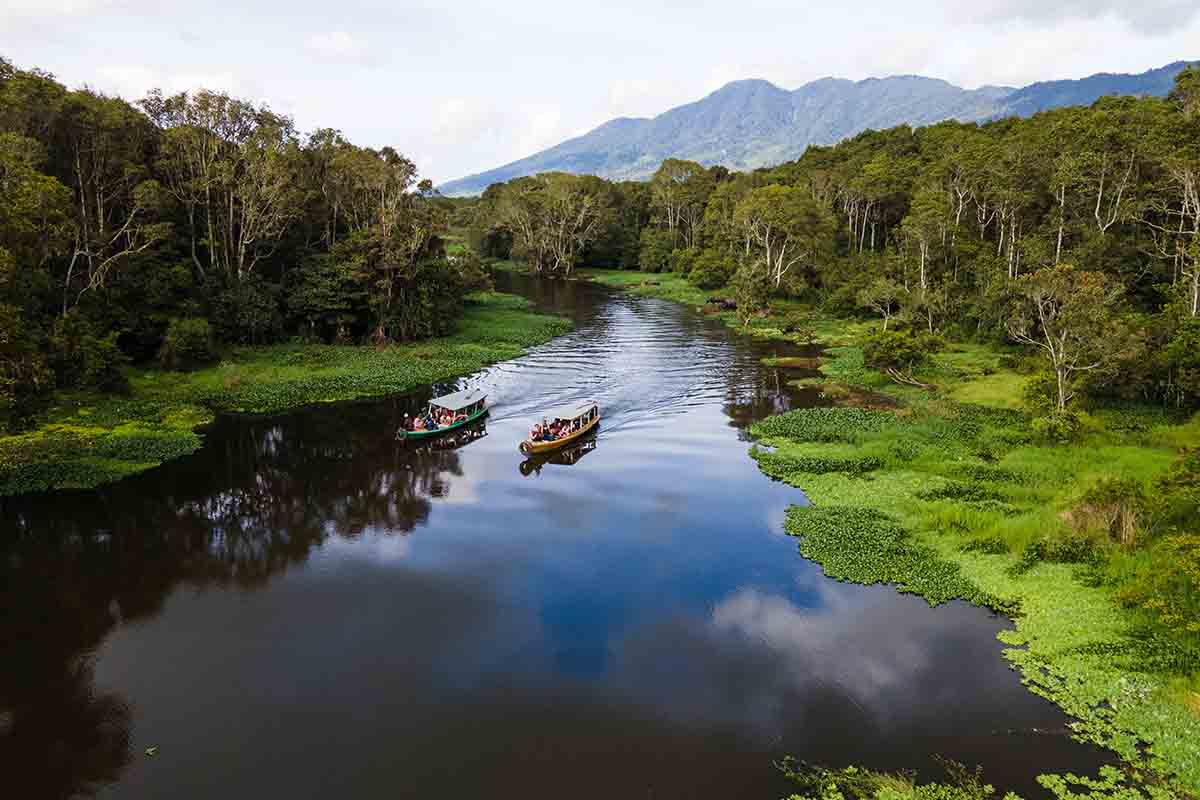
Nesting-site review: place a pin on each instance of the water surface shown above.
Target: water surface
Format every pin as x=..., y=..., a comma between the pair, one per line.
x=307, y=608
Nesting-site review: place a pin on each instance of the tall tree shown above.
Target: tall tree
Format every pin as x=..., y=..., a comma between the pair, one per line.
x=787, y=225
x=1068, y=315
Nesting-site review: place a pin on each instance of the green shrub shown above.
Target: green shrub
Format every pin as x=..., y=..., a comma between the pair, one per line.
x=898, y=350
x=188, y=343
x=752, y=290
x=797, y=325
x=992, y=545
x=25, y=380
x=712, y=269
x=682, y=259
x=84, y=359
x=246, y=311
x=1041, y=392
x=1058, y=426
x=1060, y=547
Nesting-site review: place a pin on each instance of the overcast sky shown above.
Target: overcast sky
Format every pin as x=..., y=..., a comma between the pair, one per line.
x=465, y=86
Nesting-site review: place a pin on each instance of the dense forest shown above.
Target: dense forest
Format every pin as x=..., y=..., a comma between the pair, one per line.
x=1075, y=232
x=167, y=229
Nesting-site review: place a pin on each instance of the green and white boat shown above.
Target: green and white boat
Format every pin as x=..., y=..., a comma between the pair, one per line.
x=467, y=406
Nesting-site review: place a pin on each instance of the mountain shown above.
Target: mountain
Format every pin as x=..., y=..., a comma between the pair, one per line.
x=754, y=123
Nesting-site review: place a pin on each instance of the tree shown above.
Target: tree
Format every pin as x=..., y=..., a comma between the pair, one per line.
x=787, y=225
x=883, y=297
x=1068, y=315
x=553, y=217
x=118, y=205
x=712, y=269
x=236, y=164
x=926, y=224
x=678, y=191
x=752, y=291
x=1186, y=93
x=897, y=353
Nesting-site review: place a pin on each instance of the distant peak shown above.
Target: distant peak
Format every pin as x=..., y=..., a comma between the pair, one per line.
x=747, y=84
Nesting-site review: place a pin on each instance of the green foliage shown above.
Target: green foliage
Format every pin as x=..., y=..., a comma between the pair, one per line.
x=854, y=783
x=84, y=359
x=327, y=298
x=1057, y=426
x=963, y=492
x=683, y=259
x=712, y=269
x=187, y=344
x=815, y=465
x=752, y=290
x=867, y=546
x=823, y=424
x=246, y=312
x=1167, y=585
x=25, y=380
x=654, y=251
x=897, y=350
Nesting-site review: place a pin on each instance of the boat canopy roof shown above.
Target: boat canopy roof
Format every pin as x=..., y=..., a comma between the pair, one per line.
x=459, y=400
x=569, y=412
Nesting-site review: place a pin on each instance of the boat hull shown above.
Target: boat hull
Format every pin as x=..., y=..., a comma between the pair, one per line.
x=418, y=435
x=533, y=448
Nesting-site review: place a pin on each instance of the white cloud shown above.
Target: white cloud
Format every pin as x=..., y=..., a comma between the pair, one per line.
x=335, y=46
x=1150, y=16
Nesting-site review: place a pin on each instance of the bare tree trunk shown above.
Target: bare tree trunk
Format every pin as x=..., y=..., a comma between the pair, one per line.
x=1062, y=218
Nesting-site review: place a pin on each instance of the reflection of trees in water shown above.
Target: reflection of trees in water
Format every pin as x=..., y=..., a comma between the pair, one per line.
x=258, y=499
x=755, y=392
x=59, y=597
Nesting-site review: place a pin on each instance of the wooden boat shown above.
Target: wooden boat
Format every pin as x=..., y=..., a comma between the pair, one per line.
x=586, y=414
x=471, y=402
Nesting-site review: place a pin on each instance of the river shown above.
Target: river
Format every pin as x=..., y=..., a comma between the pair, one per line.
x=307, y=608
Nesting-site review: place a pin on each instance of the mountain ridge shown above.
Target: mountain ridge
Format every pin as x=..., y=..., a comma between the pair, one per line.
x=752, y=122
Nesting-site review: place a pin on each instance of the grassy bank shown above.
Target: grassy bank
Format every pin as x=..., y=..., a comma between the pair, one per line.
x=671, y=286
x=88, y=440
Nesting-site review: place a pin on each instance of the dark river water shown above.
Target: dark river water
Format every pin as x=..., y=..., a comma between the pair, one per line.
x=307, y=608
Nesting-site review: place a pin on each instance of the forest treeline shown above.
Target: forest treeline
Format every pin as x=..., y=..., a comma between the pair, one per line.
x=165, y=229
x=1075, y=232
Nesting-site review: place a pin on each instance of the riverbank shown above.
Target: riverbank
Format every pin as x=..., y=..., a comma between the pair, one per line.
x=86, y=440
x=947, y=494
